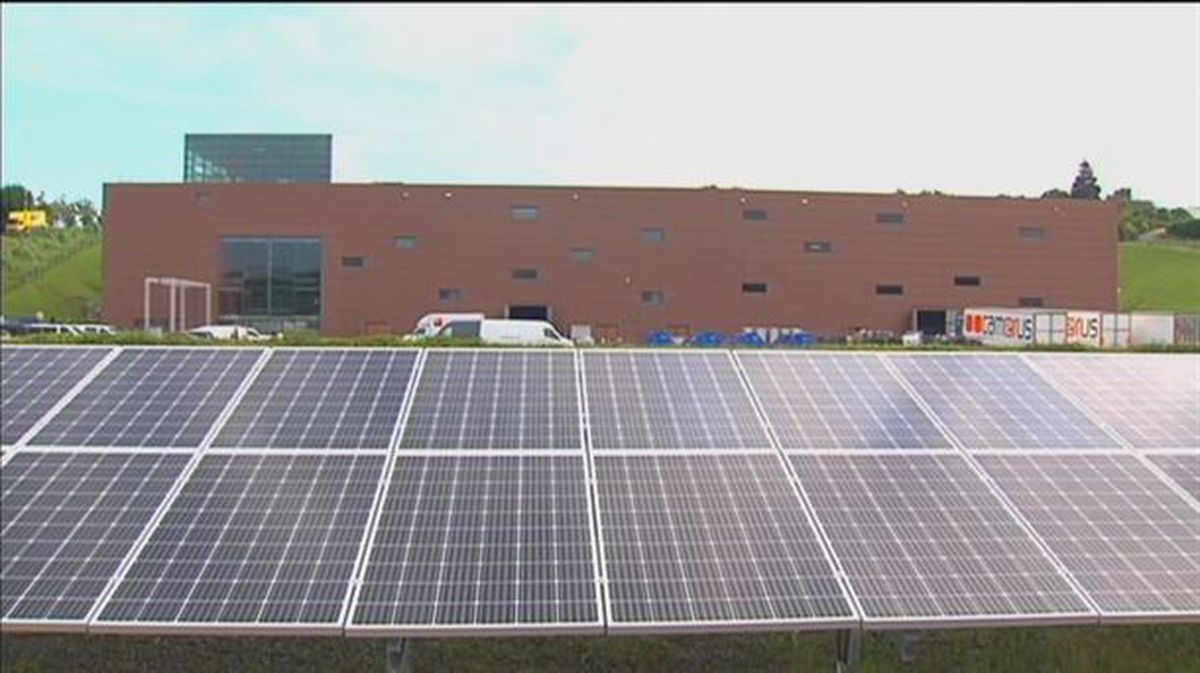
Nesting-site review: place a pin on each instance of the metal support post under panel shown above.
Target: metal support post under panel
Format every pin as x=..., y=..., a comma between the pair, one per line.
x=849, y=648
x=398, y=660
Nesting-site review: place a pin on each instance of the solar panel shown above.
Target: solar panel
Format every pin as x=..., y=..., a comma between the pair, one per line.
x=922, y=540
x=995, y=401
x=671, y=400
x=497, y=541
x=322, y=399
x=1182, y=468
x=837, y=401
x=708, y=541
x=1152, y=401
x=32, y=380
x=495, y=399
x=252, y=539
x=154, y=397
x=69, y=520
x=1132, y=543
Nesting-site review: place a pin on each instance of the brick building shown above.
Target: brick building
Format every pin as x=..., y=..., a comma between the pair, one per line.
x=361, y=258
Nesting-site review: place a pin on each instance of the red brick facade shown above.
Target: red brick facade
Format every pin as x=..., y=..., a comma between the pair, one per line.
x=468, y=239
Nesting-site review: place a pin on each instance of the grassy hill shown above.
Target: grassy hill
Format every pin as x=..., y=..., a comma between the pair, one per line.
x=57, y=272
x=70, y=292
x=1160, y=277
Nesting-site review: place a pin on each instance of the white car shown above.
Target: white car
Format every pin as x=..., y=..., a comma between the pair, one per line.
x=94, y=329
x=225, y=332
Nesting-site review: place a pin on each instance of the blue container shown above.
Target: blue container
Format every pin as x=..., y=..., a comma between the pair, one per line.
x=660, y=338
x=797, y=340
x=707, y=339
x=753, y=339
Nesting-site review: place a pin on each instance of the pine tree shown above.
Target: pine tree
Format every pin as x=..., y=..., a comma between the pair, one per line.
x=1085, y=186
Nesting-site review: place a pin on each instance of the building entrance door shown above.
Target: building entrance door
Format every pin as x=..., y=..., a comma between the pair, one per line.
x=931, y=323
x=529, y=312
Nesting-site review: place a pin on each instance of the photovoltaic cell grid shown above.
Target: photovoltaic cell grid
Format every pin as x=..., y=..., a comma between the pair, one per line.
x=920, y=536
x=482, y=540
x=253, y=539
x=152, y=397
x=322, y=399
x=32, y=380
x=837, y=401
x=69, y=521
x=1132, y=543
x=669, y=400
x=1182, y=468
x=701, y=540
x=491, y=399
x=998, y=402
x=1152, y=401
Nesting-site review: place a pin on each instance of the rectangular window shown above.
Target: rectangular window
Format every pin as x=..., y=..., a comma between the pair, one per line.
x=583, y=255
x=755, y=215
x=524, y=212
x=889, y=289
x=525, y=274
x=754, y=288
x=356, y=262
x=271, y=284
x=653, y=297
x=406, y=242
x=1030, y=302
x=654, y=235
x=889, y=218
x=1033, y=232
x=449, y=294
x=966, y=281
x=818, y=246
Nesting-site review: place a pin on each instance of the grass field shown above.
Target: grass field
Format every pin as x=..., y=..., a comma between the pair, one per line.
x=1160, y=278
x=1111, y=649
x=69, y=292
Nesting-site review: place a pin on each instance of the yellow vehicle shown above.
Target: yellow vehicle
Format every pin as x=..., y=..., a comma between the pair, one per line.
x=24, y=221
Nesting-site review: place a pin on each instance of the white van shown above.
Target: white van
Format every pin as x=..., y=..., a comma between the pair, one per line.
x=506, y=332
x=232, y=332
x=431, y=324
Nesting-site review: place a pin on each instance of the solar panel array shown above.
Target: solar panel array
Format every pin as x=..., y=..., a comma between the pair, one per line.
x=318, y=399
x=1133, y=544
x=1183, y=468
x=458, y=492
x=33, y=379
x=253, y=539
x=495, y=399
x=837, y=402
x=668, y=400
x=482, y=540
x=920, y=537
x=1153, y=401
x=151, y=397
x=711, y=539
x=993, y=401
x=69, y=521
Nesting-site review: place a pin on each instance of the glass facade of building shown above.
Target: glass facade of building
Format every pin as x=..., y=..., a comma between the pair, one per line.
x=270, y=157
x=271, y=284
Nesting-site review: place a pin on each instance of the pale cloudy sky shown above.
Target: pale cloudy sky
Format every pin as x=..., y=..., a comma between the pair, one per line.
x=971, y=99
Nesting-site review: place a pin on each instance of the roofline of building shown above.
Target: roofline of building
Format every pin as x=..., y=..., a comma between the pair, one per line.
x=622, y=188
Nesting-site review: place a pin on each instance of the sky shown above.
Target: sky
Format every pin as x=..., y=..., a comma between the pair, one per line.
x=965, y=99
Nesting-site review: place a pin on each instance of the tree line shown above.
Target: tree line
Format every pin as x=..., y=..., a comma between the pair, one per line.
x=77, y=213
x=1138, y=216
